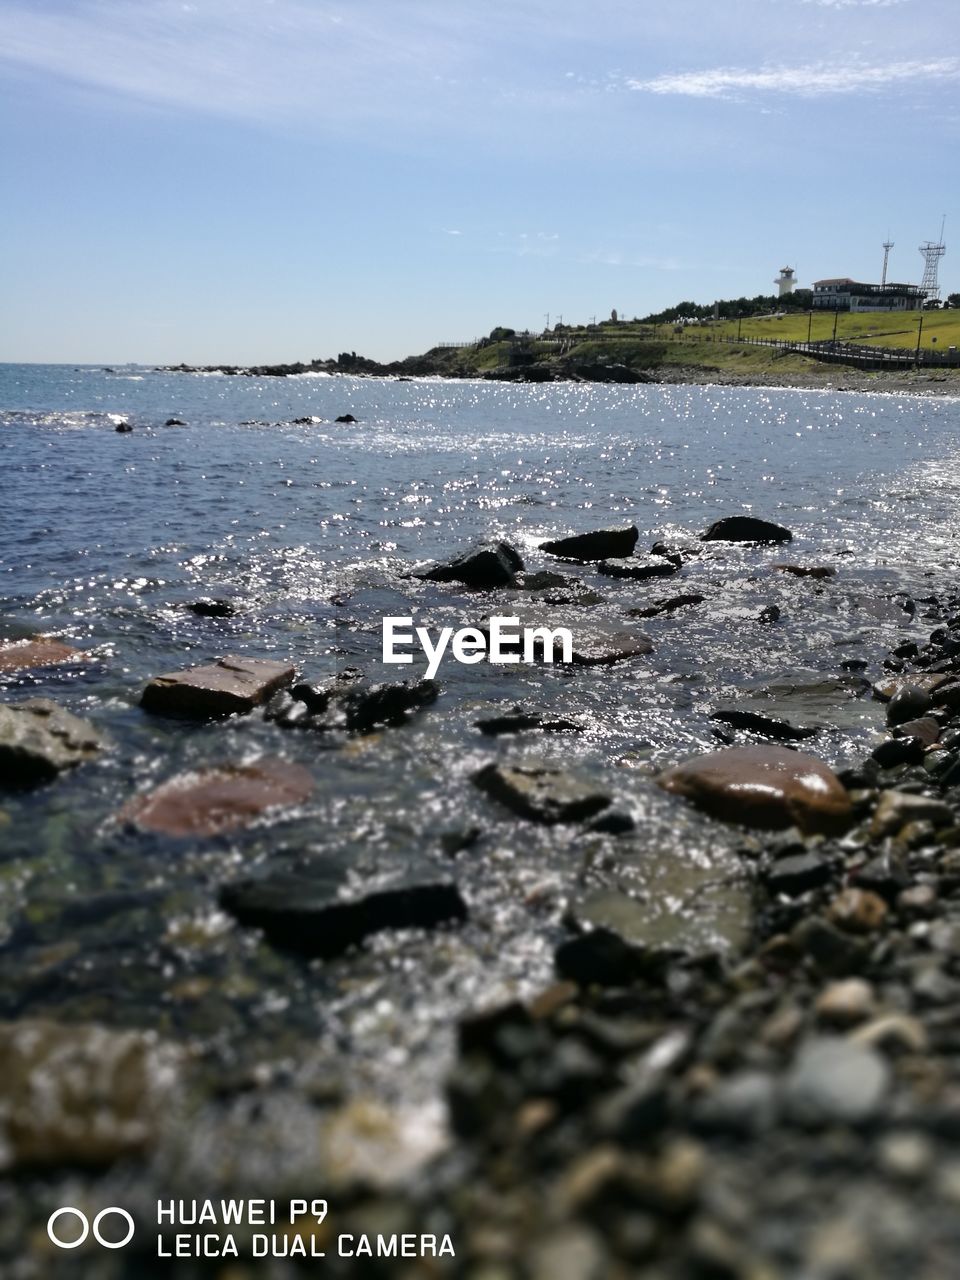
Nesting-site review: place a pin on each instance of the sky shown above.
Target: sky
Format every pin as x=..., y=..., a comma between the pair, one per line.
x=263, y=180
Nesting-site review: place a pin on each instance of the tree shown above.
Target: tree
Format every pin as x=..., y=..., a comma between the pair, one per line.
x=952, y=300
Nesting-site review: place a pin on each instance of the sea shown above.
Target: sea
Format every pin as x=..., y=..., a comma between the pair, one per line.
x=312, y=530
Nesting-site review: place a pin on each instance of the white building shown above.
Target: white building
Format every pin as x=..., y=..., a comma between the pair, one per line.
x=840, y=293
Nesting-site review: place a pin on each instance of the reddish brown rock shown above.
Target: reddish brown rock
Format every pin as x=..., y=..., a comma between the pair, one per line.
x=766, y=787
x=233, y=685
x=41, y=651
x=857, y=911
x=890, y=686
x=214, y=800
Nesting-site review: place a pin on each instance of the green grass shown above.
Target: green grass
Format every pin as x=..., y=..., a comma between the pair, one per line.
x=941, y=329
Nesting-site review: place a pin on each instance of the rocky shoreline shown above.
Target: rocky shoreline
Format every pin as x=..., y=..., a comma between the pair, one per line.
x=784, y=1108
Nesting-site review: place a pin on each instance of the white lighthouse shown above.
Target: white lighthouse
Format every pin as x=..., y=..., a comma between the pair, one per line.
x=786, y=281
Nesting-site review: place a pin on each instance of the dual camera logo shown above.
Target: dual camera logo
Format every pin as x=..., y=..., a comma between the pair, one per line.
x=75, y=1240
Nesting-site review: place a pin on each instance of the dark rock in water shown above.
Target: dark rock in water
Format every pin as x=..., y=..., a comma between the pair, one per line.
x=387, y=704
x=613, y=823
x=212, y=608
x=798, y=874
x=38, y=740
x=636, y=569
x=491, y=565
x=544, y=581
x=887, y=688
x=606, y=373
x=602, y=544
x=835, y=1081
x=602, y=958
x=210, y=801
x=174, y=422
x=806, y=571
x=770, y=614
x=317, y=914
x=896, y=751
x=746, y=529
x=753, y=722
x=40, y=651
x=519, y=721
x=345, y=417
x=304, y=422
x=666, y=606
x=541, y=794
x=233, y=685
x=314, y=695
x=766, y=787
x=123, y=428
x=81, y=1095
x=908, y=703
x=854, y=664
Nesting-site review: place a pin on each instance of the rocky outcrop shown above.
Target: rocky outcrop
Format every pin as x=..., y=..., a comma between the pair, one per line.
x=766, y=787
x=541, y=794
x=80, y=1094
x=40, y=651
x=316, y=914
x=602, y=544
x=210, y=801
x=746, y=529
x=231, y=686
x=38, y=740
x=487, y=566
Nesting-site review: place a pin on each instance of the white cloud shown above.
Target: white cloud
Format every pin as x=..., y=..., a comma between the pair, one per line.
x=813, y=80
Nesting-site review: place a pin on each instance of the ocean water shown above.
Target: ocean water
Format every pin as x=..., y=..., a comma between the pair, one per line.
x=311, y=529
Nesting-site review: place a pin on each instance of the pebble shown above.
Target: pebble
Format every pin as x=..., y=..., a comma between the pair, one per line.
x=857, y=911
x=835, y=1081
x=846, y=1002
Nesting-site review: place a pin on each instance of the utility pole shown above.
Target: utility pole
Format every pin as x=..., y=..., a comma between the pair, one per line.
x=547, y=317
x=887, y=246
x=919, y=332
x=809, y=326
x=739, y=322
x=836, y=317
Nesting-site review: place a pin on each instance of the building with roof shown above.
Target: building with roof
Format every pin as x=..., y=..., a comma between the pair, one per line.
x=840, y=293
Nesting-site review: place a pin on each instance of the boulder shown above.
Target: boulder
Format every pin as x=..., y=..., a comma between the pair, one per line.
x=765, y=787
x=637, y=569
x=888, y=688
x=489, y=565
x=746, y=529
x=232, y=685
x=38, y=740
x=541, y=794
x=602, y=544
x=40, y=651
x=806, y=571
x=123, y=428
x=317, y=913
x=212, y=608
x=368, y=708
x=908, y=703
x=80, y=1094
x=209, y=801
x=344, y=417
x=174, y=422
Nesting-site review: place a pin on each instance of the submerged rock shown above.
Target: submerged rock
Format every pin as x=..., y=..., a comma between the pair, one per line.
x=344, y=417
x=123, y=428
x=317, y=914
x=594, y=641
x=541, y=794
x=210, y=801
x=806, y=571
x=233, y=685
x=38, y=740
x=746, y=529
x=40, y=651
x=602, y=544
x=767, y=726
x=668, y=605
x=766, y=787
x=212, y=608
x=518, y=721
x=387, y=704
x=487, y=566
x=80, y=1095
x=639, y=570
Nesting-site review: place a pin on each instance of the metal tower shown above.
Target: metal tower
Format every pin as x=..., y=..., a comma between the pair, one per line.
x=932, y=253
x=887, y=246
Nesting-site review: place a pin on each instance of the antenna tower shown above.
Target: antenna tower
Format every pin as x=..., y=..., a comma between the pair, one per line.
x=887, y=246
x=932, y=253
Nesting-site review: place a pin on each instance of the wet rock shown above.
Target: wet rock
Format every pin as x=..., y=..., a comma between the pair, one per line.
x=637, y=569
x=541, y=794
x=885, y=875
x=768, y=615
x=887, y=688
x=613, y=823
x=857, y=911
x=318, y=913
x=487, y=566
x=767, y=726
x=896, y=751
x=210, y=801
x=41, y=651
x=344, y=417
x=746, y=529
x=212, y=608
x=601, y=958
x=123, y=428
x=744, y=1104
x=594, y=643
x=917, y=902
x=543, y=581
x=925, y=730
x=80, y=1094
x=602, y=544
x=896, y=808
x=766, y=787
x=233, y=685
x=174, y=422
x=798, y=874
x=806, y=571
x=908, y=703
x=835, y=1081
x=669, y=605
x=374, y=706
x=833, y=952
x=854, y=664
x=845, y=1002
x=519, y=721
x=38, y=740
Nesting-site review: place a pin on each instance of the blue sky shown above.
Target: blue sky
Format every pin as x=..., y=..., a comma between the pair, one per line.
x=245, y=180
